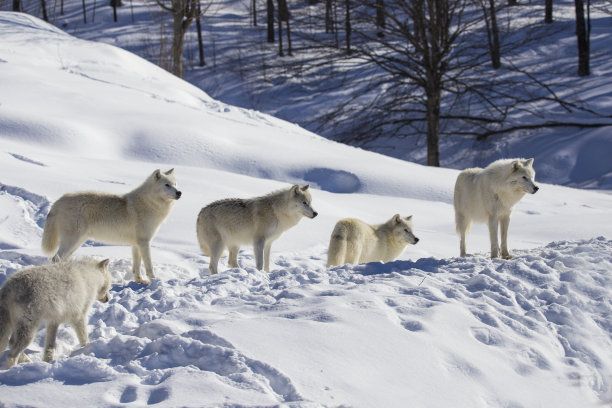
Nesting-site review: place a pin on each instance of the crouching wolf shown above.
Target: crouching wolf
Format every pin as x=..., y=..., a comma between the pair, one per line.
x=56, y=293
x=256, y=221
x=354, y=241
x=489, y=195
x=131, y=219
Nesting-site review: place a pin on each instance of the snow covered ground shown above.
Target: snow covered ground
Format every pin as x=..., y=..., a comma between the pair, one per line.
x=429, y=330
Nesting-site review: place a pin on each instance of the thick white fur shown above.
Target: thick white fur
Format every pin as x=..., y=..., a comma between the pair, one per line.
x=489, y=195
x=56, y=293
x=354, y=241
x=131, y=219
x=255, y=221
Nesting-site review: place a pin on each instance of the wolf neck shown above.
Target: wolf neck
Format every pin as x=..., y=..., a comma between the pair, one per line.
x=155, y=204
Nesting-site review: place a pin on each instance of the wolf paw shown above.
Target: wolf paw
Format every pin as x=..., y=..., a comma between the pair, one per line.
x=142, y=281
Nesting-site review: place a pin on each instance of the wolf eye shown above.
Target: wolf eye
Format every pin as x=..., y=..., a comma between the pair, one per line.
x=525, y=178
x=167, y=185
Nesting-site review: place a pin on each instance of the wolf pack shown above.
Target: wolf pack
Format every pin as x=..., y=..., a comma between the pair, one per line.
x=64, y=290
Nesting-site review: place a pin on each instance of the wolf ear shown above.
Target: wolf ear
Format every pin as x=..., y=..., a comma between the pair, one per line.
x=104, y=264
x=528, y=163
x=397, y=218
x=409, y=218
x=157, y=174
x=295, y=189
x=169, y=172
x=306, y=187
x=516, y=165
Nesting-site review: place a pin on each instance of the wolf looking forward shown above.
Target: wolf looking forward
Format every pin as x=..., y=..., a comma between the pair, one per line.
x=489, y=195
x=131, y=219
x=56, y=293
x=354, y=241
x=255, y=221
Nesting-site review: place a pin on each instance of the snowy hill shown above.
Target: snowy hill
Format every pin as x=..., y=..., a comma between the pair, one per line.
x=429, y=330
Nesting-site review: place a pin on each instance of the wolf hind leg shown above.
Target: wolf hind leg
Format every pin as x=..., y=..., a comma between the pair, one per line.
x=67, y=246
x=233, y=257
x=21, y=337
x=463, y=225
x=336, y=251
x=50, y=341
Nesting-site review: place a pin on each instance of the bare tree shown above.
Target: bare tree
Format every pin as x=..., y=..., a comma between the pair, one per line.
x=270, y=12
x=583, y=32
x=490, y=18
x=183, y=13
x=548, y=11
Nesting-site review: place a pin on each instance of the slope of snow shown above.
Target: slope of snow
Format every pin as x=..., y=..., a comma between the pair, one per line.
x=430, y=329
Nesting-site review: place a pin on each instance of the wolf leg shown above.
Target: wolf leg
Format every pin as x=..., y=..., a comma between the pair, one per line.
x=136, y=262
x=80, y=328
x=266, y=255
x=20, y=339
x=67, y=247
x=50, y=341
x=233, y=257
x=493, y=231
x=258, y=248
x=216, y=250
x=504, y=224
x=462, y=226
x=144, y=247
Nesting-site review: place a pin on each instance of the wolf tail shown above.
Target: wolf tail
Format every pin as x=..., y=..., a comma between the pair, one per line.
x=49, y=238
x=337, y=249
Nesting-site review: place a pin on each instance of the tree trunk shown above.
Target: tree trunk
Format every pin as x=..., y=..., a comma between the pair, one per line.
x=348, y=27
x=380, y=17
x=494, y=41
x=177, y=45
x=548, y=11
x=329, y=19
x=84, y=13
x=433, y=127
x=280, y=31
x=254, y=5
x=583, y=40
x=16, y=5
x=270, y=10
x=200, y=43
x=43, y=5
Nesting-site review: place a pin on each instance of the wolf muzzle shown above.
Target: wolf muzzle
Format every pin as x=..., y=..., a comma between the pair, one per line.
x=179, y=194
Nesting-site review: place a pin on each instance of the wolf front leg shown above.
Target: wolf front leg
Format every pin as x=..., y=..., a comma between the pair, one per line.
x=504, y=223
x=136, y=262
x=258, y=248
x=80, y=328
x=144, y=246
x=266, y=254
x=50, y=341
x=493, y=231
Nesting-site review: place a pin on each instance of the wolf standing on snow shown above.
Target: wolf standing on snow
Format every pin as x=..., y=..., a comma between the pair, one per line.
x=131, y=219
x=256, y=221
x=489, y=195
x=56, y=293
x=354, y=241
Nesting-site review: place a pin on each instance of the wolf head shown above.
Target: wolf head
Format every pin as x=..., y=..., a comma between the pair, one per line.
x=165, y=184
x=522, y=176
x=402, y=229
x=301, y=200
x=103, y=294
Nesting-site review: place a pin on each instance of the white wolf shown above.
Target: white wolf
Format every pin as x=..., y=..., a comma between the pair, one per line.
x=131, y=219
x=488, y=195
x=56, y=293
x=256, y=221
x=354, y=241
